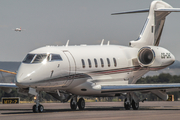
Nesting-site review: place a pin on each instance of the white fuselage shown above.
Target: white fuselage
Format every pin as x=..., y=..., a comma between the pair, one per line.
x=18, y=29
x=83, y=67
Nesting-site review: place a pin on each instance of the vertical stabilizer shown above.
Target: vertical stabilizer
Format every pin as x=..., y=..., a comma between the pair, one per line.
x=153, y=27
x=152, y=30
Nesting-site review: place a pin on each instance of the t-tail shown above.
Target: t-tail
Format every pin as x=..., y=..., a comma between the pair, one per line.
x=153, y=27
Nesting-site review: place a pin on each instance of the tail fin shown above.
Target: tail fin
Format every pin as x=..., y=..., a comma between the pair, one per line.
x=153, y=27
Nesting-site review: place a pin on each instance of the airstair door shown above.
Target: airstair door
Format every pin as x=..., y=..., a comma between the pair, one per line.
x=72, y=68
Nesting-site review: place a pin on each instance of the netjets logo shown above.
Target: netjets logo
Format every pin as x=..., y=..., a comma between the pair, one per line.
x=165, y=55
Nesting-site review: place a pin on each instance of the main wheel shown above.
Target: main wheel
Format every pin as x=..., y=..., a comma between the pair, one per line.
x=40, y=108
x=81, y=104
x=35, y=110
x=127, y=106
x=135, y=105
x=73, y=105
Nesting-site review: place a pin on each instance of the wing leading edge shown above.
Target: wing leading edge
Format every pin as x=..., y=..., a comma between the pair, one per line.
x=8, y=85
x=135, y=87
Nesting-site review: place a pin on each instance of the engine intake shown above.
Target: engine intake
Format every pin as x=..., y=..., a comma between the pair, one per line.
x=146, y=56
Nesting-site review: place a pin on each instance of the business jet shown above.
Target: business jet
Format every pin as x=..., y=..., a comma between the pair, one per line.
x=67, y=72
x=18, y=29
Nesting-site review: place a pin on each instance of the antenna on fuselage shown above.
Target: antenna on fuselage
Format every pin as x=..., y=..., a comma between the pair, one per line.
x=108, y=42
x=102, y=42
x=67, y=43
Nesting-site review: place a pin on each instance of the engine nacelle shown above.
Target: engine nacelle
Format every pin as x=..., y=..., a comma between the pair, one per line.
x=155, y=56
x=146, y=56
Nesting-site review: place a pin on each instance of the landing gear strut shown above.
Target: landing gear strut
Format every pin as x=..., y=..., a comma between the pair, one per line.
x=38, y=107
x=74, y=103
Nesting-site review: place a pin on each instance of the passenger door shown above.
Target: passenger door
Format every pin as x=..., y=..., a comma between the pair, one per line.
x=72, y=68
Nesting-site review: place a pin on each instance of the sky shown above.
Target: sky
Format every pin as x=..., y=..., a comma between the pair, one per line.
x=53, y=22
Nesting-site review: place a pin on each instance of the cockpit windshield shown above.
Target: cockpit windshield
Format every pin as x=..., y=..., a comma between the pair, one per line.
x=28, y=58
x=34, y=58
x=39, y=58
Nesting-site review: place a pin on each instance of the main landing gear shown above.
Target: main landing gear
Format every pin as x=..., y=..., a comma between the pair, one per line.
x=80, y=103
x=129, y=101
x=37, y=108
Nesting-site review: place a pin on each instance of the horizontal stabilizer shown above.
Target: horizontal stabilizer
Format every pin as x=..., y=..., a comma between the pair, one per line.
x=168, y=10
x=134, y=11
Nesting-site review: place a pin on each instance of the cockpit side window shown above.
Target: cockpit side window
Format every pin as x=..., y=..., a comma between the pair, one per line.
x=39, y=58
x=28, y=58
x=54, y=57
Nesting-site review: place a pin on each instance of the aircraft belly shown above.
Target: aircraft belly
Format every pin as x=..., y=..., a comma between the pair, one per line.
x=84, y=89
x=120, y=78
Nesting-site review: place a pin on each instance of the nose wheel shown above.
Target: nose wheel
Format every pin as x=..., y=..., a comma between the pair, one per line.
x=38, y=109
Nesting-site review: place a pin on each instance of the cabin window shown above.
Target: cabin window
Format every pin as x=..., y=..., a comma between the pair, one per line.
x=108, y=61
x=89, y=61
x=83, y=63
x=102, y=62
x=115, y=63
x=95, y=61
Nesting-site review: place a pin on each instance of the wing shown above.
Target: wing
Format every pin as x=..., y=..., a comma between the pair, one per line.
x=137, y=87
x=7, y=87
x=157, y=89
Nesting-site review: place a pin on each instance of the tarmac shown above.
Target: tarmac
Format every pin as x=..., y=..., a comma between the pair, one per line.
x=165, y=110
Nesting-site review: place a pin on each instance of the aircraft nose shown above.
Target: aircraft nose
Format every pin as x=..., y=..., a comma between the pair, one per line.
x=23, y=78
x=24, y=75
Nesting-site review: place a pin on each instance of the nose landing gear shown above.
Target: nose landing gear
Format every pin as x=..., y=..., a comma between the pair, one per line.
x=38, y=108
